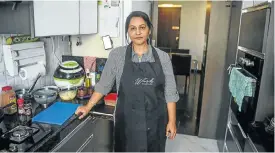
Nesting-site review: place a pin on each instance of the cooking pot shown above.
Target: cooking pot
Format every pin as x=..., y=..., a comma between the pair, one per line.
x=23, y=93
x=69, y=73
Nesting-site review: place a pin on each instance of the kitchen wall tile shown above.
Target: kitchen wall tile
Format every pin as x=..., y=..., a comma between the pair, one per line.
x=90, y=63
x=78, y=59
x=100, y=63
x=53, y=58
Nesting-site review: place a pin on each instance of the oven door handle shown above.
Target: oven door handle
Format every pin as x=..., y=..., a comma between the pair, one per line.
x=242, y=131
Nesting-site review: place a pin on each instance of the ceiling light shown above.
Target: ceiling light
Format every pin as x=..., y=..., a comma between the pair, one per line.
x=168, y=5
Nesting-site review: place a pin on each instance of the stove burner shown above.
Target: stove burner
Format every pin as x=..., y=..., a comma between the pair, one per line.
x=23, y=138
x=20, y=133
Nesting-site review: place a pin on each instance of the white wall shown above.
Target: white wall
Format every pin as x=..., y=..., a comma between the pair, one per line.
x=191, y=26
x=92, y=45
x=142, y=5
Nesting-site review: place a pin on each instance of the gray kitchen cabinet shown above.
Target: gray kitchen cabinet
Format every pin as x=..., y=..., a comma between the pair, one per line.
x=91, y=135
x=49, y=18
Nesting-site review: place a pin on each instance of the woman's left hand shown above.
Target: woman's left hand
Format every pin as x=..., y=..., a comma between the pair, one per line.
x=171, y=130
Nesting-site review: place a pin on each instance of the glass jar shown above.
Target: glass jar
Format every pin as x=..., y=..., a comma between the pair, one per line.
x=8, y=97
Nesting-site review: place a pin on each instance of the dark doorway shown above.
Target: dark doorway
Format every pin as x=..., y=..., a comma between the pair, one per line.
x=168, y=27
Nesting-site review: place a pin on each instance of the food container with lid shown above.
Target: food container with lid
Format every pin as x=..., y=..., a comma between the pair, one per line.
x=110, y=99
x=69, y=73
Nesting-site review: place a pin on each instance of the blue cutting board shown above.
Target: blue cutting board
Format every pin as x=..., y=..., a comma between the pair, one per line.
x=58, y=113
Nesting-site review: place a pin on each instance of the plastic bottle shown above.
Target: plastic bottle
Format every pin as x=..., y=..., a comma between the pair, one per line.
x=8, y=96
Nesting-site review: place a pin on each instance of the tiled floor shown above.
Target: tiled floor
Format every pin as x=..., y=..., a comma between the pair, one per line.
x=187, y=143
x=187, y=105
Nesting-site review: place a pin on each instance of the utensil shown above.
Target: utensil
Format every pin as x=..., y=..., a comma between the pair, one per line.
x=45, y=96
x=34, y=83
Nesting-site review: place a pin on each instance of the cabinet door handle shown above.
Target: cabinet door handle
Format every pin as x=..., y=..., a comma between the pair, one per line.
x=242, y=131
x=89, y=139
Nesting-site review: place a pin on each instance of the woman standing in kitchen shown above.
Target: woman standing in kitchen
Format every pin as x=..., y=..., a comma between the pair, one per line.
x=145, y=112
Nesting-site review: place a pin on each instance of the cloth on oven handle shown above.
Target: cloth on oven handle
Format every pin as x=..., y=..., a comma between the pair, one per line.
x=241, y=86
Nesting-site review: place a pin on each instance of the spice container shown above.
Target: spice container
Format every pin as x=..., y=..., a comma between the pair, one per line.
x=8, y=96
x=82, y=92
x=90, y=91
x=21, y=111
x=28, y=107
x=20, y=106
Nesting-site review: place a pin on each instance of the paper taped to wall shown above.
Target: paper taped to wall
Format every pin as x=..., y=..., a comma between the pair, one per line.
x=109, y=18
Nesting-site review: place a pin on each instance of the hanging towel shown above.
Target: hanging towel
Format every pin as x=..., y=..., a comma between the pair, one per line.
x=241, y=86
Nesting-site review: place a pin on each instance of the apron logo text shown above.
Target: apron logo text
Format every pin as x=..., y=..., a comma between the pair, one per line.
x=144, y=81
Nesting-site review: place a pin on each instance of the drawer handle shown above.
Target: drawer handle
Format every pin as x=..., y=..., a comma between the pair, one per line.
x=242, y=131
x=85, y=143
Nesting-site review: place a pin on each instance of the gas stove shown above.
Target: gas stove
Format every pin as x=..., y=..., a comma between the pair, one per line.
x=22, y=138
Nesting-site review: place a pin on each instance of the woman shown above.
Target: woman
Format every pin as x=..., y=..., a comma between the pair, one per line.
x=146, y=110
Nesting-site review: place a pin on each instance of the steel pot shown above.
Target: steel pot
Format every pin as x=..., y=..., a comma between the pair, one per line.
x=23, y=93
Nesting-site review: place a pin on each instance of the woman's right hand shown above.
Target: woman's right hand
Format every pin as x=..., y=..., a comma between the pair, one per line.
x=83, y=110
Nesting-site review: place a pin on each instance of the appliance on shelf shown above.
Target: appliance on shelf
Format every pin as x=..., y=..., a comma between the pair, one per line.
x=25, y=57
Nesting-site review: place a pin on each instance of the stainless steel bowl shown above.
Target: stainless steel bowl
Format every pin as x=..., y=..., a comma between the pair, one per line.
x=45, y=96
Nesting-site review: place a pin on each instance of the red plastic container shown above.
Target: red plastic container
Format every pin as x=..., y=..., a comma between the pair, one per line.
x=110, y=99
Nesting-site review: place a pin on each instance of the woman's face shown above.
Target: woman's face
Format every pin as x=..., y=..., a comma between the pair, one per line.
x=138, y=31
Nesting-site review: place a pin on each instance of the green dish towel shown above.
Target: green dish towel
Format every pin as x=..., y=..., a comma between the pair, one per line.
x=241, y=86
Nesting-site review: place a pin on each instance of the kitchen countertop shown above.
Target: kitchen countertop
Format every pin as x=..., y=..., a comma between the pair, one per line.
x=58, y=132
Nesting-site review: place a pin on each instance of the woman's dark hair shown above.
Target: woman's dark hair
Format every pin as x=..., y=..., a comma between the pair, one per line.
x=141, y=14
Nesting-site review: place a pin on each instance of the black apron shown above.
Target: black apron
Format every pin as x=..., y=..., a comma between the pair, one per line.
x=141, y=111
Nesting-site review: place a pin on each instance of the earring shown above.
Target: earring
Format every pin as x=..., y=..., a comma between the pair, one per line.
x=149, y=41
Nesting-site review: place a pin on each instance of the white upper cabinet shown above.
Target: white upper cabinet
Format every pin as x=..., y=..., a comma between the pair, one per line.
x=65, y=17
x=247, y=4
x=88, y=17
x=56, y=18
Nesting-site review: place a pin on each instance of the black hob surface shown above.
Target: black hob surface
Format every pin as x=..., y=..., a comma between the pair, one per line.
x=22, y=138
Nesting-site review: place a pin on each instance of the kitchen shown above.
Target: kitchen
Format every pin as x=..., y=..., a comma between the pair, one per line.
x=80, y=41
